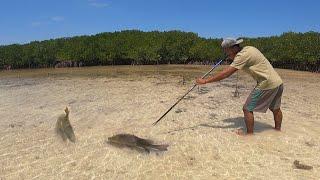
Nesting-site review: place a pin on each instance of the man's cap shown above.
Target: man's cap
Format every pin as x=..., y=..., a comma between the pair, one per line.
x=229, y=42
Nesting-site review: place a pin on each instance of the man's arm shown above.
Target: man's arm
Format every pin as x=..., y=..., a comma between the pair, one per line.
x=222, y=75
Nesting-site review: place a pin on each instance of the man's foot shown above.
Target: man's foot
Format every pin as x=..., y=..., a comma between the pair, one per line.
x=240, y=132
x=277, y=129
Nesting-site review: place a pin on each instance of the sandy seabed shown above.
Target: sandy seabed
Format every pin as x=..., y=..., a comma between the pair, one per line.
x=200, y=130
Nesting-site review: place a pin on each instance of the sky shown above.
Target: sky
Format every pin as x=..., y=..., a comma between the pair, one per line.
x=22, y=21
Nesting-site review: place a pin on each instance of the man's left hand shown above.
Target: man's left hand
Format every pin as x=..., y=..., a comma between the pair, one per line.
x=201, y=81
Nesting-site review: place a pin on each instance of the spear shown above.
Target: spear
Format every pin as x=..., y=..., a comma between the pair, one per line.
x=214, y=66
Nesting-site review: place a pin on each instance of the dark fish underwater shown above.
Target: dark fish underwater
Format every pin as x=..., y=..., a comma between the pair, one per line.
x=134, y=142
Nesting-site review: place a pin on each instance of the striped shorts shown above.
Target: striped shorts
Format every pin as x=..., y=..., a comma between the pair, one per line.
x=262, y=100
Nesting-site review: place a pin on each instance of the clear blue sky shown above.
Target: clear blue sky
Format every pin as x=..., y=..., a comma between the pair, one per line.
x=22, y=21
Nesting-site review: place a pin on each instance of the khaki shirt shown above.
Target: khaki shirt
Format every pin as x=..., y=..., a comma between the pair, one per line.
x=253, y=62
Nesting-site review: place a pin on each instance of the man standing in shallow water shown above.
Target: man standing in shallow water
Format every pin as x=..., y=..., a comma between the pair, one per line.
x=268, y=91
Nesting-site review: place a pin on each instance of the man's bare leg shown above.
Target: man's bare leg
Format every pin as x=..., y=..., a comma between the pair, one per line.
x=277, y=116
x=249, y=120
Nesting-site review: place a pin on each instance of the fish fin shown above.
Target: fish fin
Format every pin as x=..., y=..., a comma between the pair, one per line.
x=147, y=150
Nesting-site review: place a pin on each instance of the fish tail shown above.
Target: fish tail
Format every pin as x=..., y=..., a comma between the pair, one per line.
x=160, y=147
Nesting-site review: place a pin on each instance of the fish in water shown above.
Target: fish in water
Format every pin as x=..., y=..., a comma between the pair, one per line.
x=301, y=166
x=132, y=141
x=64, y=128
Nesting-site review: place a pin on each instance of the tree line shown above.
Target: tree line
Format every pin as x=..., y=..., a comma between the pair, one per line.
x=300, y=51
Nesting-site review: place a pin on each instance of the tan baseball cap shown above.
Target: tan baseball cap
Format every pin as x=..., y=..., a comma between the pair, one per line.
x=229, y=42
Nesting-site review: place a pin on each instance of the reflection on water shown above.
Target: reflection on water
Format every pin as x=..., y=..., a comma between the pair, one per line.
x=188, y=72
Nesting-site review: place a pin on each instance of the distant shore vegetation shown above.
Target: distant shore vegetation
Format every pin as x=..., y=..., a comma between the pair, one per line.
x=298, y=51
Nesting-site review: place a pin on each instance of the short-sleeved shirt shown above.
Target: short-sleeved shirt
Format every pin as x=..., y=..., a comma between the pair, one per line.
x=253, y=62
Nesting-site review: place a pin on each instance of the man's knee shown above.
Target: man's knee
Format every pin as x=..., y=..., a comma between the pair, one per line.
x=245, y=110
x=275, y=111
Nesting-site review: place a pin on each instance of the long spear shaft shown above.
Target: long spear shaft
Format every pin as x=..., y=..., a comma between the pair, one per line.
x=216, y=65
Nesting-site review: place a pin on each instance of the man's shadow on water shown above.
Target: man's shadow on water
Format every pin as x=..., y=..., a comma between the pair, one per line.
x=231, y=123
